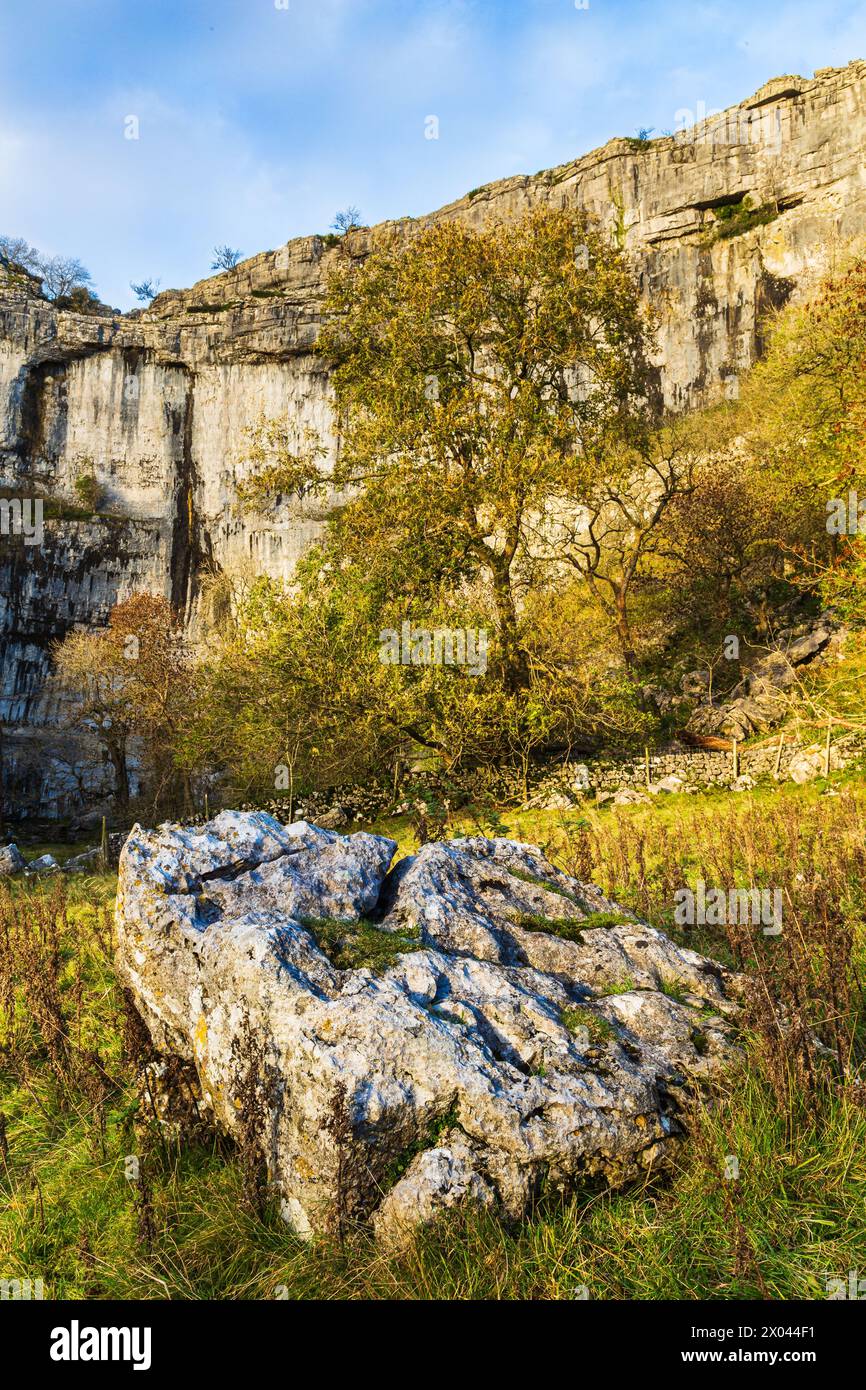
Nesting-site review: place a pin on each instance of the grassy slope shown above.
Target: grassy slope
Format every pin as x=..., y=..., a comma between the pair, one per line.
x=794, y=1217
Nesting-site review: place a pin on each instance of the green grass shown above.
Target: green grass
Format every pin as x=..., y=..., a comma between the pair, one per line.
x=566, y=927
x=622, y=986
x=799, y=1200
x=598, y=1028
x=606, y=919
x=673, y=990
x=553, y=831
x=736, y=218
x=360, y=945
x=793, y=1218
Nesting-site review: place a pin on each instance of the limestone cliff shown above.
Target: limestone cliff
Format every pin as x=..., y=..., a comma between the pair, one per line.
x=723, y=221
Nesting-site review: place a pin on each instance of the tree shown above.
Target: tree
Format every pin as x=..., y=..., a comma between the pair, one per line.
x=61, y=275
x=486, y=382
x=80, y=301
x=804, y=409
x=88, y=668
x=63, y=278
x=15, y=251
x=715, y=559
x=298, y=682
x=225, y=258
x=349, y=220
x=747, y=545
x=481, y=378
x=145, y=290
x=133, y=680
x=619, y=531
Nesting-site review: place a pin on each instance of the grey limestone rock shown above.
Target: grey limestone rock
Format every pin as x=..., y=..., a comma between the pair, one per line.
x=519, y=1030
x=11, y=860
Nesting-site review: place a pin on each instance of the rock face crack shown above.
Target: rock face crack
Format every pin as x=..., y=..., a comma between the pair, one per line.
x=472, y=1061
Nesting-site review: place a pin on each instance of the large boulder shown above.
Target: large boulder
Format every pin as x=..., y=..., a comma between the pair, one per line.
x=11, y=860
x=91, y=861
x=45, y=864
x=471, y=1025
x=630, y=796
x=741, y=717
x=671, y=784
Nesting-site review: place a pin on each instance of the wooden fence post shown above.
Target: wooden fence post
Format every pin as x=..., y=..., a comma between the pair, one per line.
x=778, y=758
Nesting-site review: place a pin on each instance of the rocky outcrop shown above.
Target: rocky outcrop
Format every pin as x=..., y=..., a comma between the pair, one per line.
x=44, y=864
x=723, y=222
x=91, y=861
x=472, y=1025
x=762, y=699
x=11, y=860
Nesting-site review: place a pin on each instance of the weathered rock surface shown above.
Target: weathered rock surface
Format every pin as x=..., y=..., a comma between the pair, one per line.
x=671, y=784
x=45, y=864
x=761, y=699
x=490, y=1057
x=89, y=862
x=743, y=783
x=630, y=796
x=550, y=801
x=11, y=860
x=811, y=762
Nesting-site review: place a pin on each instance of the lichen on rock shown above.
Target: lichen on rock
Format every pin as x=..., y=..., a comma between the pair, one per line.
x=478, y=1060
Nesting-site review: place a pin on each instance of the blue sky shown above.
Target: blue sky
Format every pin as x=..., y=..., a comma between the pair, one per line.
x=259, y=119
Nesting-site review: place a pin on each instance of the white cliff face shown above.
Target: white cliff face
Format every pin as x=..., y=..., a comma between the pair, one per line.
x=157, y=405
x=229, y=399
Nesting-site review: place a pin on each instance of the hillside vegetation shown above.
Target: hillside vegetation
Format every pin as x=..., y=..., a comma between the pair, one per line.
x=530, y=555
x=509, y=478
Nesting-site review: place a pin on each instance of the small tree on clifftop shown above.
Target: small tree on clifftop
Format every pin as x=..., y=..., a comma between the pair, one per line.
x=62, y=275
x=145, y=290
x=225, y=258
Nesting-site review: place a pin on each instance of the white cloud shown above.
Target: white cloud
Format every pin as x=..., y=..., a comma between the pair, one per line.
x=259, y=123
